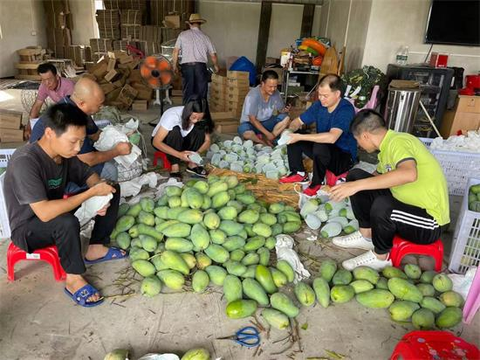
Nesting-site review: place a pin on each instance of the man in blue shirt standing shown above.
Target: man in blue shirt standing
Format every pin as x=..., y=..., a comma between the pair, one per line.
x=333, y=147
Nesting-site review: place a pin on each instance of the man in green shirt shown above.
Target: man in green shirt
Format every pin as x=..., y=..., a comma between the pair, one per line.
x=407, y=195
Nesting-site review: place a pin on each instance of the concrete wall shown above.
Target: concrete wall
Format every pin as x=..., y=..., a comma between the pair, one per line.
x=19, y=19
x=395, y=23
x=285, y=27
x=233, y=27
x=345, y=22
x=84, y=23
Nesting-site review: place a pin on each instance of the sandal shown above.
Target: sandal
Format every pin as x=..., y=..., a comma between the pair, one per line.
x=81, y=296
x=113, y=253
x=198, y=171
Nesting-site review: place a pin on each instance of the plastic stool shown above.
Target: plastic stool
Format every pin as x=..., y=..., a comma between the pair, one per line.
x=163, y=157
x=402, y=247
x=48, y=254
x=432, y=345
x=332, y=178
x=472, y=303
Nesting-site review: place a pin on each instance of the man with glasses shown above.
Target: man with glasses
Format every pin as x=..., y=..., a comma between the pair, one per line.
x=333, y=147
x=88, y=97
x=53, y=86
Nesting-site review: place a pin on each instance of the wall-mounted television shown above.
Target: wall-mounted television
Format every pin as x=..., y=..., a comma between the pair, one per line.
x=454, y=22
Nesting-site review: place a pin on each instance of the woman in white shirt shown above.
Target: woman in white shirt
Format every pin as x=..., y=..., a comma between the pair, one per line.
x=181, y=131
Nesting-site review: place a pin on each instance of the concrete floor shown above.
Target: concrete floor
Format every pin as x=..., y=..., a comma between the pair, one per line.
x=37, y=320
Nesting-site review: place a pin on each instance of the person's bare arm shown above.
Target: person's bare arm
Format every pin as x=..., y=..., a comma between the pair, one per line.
x=214, y=58
x=206, y=144
x=406, y=172
x=35, y=111
x=94, y=137
x=329, y=137
x=296, y=124
x=175, y=53
x=93, y=180
x=160, y=145
x=47, y=210
x=97, y=157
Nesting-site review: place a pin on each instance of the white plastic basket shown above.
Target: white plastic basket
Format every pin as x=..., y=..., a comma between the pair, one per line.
x=466, y=238
x=458, y=166
x=5, y=155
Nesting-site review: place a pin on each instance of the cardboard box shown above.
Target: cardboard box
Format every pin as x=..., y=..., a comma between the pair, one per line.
x=107, y=88
x=143, y=92
x=11, y=135
x=222, y=115
x=140, y=105
x=110, y=75
x=237, y=90
x=112, y=95
x=127, y=95
x=172, y=21
x=218, y=79
x=111, y=64
x=239, y=75
x=218, y=94
x=99, y=70
x=125, y=59
x=177, y=93
x=235, y=98
x=228, y=126
x=10, y=119
x=238, y=83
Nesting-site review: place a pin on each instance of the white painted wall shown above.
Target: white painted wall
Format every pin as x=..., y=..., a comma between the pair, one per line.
x=285, y=27
x=18, y=18
x=395, y=23
x=84, y=23
x=345, y=22
x=232, y=26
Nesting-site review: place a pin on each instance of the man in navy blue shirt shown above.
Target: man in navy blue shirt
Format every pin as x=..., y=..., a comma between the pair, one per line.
x=88, y=97
x=333, y=147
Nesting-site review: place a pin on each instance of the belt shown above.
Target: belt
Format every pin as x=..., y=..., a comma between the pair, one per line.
x=191, y=63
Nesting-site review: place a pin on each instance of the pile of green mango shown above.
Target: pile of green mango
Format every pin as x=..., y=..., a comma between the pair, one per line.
x=211, y=232
x=424, y=299
x=474, y=198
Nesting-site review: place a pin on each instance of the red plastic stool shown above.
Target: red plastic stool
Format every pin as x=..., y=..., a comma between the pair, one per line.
x=161, y=155
x=48, y=254
x=332, y=178
x=402, y=247
x=431, y=345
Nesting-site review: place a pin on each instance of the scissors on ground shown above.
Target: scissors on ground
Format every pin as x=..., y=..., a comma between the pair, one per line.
x=247, y=336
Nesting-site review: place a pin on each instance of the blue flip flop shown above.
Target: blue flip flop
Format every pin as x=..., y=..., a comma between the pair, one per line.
x=81, y=295
x=112, y=254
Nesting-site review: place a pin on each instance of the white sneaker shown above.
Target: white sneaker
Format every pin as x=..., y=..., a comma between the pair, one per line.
x=353, y=241
x=367, y=259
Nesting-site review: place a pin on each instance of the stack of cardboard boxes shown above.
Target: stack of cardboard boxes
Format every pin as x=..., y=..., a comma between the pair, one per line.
x=59, y=24
x=10, y=126
x=121, y=81
x=238, y=86
x=228, y=93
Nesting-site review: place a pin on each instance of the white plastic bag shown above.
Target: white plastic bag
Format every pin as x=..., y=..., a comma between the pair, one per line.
x=284, y=249
x=462, y=283
x=111, y=136
x=170, y=182
x=89, y=208
x=133, y=187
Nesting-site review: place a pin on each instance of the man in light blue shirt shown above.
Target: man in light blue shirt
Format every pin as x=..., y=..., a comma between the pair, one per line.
x=264, y=111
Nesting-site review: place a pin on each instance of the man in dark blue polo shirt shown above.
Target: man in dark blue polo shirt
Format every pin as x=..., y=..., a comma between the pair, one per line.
x=333, y=147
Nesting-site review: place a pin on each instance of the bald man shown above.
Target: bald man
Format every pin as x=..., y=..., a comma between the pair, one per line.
x=88, y=97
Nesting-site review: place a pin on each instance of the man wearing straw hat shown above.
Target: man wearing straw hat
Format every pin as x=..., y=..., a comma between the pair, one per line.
x=194, y=47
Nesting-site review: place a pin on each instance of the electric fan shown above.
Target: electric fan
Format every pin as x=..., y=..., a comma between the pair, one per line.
x=158, y=73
